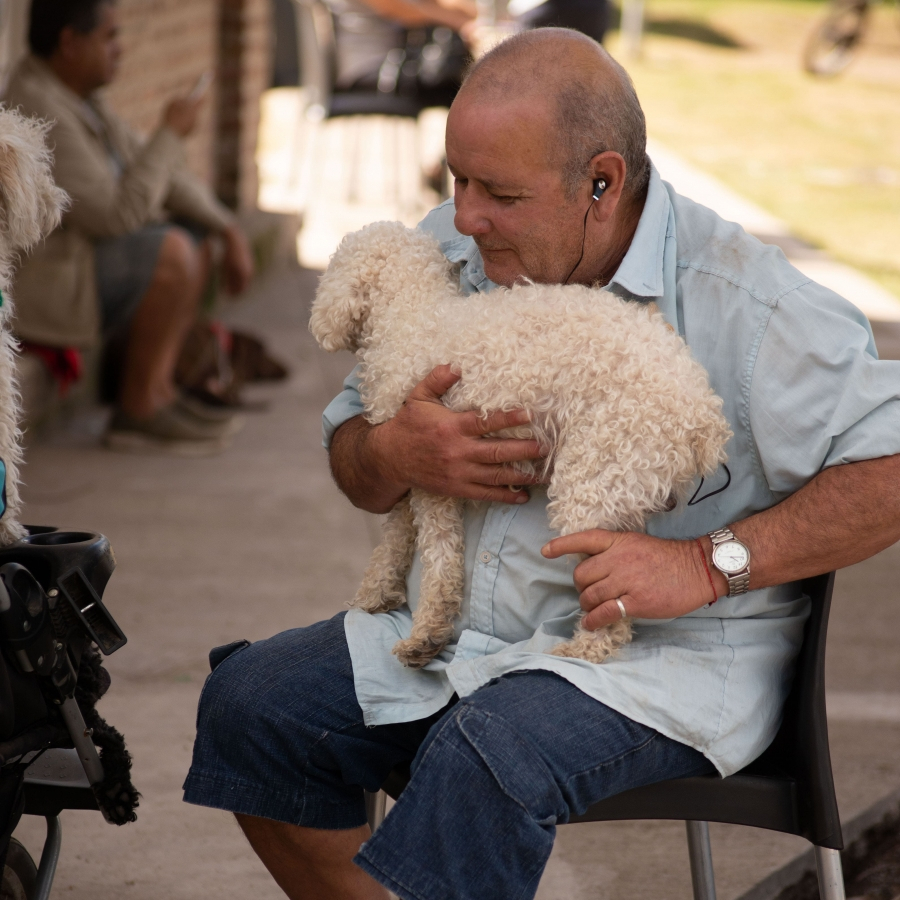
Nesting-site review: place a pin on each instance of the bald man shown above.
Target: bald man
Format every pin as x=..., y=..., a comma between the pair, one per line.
x=546, y=141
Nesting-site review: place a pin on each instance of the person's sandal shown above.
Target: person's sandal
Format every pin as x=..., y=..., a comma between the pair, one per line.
x=206, y=414
x=169, y=431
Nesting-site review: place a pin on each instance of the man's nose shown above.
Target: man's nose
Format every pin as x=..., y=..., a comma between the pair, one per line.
x=470, y=218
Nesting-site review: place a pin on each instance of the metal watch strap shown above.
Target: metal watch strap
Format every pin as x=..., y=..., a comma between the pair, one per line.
x=737, y=584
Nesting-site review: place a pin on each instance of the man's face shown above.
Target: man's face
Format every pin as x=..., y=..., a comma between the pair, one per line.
x=96, y=54
x=508, y=191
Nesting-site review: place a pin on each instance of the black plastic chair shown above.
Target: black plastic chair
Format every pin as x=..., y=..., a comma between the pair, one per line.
x=789, y=788
x=316, y=42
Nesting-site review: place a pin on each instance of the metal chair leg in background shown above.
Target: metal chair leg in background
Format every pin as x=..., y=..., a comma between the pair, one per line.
x=375, y=808
x=700, y=851
x=49, y=859
x=831, y=876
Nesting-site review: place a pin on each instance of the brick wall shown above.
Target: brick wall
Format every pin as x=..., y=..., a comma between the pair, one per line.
x=167, y=44
x=245, y=64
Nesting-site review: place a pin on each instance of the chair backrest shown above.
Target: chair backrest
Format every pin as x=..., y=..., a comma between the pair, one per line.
x=800, y=749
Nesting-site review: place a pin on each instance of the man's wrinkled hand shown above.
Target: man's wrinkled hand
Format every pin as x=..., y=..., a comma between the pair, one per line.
x=430, y=447
x=654, y=578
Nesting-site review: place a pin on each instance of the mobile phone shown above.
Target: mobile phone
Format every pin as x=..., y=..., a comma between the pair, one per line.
x=201, y=86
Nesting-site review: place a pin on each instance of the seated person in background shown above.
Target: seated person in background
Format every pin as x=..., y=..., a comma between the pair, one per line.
x=407, y=47
x=116, y=265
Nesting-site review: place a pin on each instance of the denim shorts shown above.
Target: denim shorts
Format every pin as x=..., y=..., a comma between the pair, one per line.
x=280, y=735
x=124, y=270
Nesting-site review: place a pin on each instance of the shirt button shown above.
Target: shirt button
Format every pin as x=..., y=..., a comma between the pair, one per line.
x=485, y=557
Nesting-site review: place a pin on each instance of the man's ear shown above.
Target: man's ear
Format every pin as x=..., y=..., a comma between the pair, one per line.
x=67, y=46
x=610, y=168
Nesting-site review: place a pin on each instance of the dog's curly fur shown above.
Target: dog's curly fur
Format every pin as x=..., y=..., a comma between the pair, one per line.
x=626, y=414
x=30, y=208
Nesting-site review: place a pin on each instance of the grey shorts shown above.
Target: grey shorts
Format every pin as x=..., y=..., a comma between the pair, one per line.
x=125, y=267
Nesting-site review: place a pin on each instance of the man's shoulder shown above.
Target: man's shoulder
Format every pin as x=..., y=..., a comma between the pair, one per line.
x=711, y=246
x=35, y=90
x=439, y=222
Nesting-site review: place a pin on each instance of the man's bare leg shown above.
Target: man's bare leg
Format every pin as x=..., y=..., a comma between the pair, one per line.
x=160, y=324
x=312, y=863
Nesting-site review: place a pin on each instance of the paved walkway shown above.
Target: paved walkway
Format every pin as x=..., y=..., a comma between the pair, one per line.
x=259, y=540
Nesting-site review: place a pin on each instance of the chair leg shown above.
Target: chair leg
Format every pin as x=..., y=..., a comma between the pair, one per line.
x=700, y=852
x=831, y=876
x=375, y=808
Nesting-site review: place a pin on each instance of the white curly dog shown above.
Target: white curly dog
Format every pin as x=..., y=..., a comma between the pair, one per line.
x=625, y=413
x=30, y=208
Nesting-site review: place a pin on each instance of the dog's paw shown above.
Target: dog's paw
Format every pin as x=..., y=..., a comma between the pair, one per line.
x=379, y=600
x=595, y=646
x=415, y=653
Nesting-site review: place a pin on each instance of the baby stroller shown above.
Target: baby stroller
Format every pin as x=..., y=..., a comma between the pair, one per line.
x=52, y=625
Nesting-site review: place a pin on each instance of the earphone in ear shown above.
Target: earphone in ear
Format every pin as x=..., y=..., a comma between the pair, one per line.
x=599, y=188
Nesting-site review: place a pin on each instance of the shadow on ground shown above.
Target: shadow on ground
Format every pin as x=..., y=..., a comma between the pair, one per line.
x=687, y=29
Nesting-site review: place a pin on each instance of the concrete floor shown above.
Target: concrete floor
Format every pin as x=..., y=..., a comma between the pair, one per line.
x=259, y=540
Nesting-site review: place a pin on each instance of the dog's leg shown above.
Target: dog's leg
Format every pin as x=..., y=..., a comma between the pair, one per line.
x=584, y=495
x=384, y=583
x=595, y=646
x=441, y=543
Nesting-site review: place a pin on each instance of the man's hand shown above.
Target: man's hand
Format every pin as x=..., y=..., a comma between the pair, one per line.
x=430, y=447
x=181, y=115
x=237, y=264
x=654, y=578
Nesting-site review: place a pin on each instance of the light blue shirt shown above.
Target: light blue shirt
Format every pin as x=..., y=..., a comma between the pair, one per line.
x=803, y=389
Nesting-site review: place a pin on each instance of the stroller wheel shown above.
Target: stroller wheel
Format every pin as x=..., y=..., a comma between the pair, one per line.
x=19, y=875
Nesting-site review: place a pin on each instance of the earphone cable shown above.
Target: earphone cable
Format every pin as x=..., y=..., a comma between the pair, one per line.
x=583, y=240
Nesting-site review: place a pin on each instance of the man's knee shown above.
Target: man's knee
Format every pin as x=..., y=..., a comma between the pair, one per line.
x=178, y=262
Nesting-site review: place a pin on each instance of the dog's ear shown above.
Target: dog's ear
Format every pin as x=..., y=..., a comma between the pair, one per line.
x=30, y=203
x=352, y=285
x=383, y=264
x=341, y=308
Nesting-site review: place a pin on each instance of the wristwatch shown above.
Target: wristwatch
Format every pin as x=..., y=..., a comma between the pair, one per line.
x=732, y=559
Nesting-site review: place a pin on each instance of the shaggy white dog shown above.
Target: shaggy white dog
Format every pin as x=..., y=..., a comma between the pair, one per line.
x=30, y=208
x=625, y=413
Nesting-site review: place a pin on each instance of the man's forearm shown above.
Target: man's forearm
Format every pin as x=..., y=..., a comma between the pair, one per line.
x=844, y=515
x=357, y=468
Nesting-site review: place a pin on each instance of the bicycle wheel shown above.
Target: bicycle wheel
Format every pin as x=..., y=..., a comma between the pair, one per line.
x=832, y=45
x=19, y=875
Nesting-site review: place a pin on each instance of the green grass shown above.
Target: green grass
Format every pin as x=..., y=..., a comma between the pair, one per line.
x=722, y=85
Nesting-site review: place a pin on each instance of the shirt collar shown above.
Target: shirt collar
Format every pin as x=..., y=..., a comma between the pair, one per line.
x=641, y=271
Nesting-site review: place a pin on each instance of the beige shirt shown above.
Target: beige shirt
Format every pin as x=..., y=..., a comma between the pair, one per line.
x=55, y=289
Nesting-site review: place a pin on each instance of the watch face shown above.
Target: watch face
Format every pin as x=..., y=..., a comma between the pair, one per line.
x=731, y=557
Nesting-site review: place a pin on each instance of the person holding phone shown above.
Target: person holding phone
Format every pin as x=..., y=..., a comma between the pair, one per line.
x=119, y=267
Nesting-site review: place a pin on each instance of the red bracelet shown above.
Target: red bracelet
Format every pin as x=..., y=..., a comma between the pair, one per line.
x=708, y=573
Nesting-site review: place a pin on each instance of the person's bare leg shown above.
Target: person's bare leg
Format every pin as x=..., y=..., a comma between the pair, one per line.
x=311, y=863
x=160, y=324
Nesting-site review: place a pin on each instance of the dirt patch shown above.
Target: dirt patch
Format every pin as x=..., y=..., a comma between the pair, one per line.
x=871, y=867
